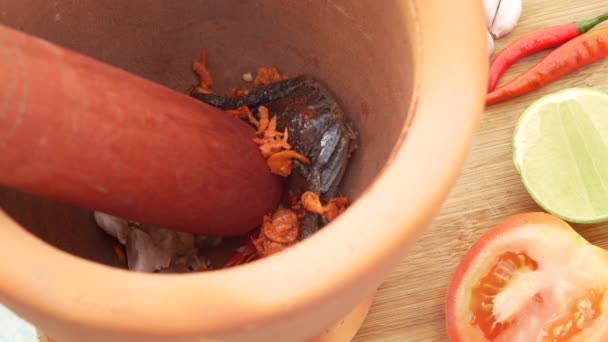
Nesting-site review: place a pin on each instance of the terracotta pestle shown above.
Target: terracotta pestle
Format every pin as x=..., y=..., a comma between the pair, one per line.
x=79, y=131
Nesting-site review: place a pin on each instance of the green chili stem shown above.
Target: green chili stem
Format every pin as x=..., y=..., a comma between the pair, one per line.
x=586, y=25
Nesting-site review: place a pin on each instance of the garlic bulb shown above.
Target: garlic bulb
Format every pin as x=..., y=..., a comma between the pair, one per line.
x=502, y=16
x=114, y=226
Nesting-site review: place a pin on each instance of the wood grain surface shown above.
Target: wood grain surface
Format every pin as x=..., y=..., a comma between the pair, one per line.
x=410, y=304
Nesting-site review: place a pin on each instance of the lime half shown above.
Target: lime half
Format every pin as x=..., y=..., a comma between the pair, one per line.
x=560, y=149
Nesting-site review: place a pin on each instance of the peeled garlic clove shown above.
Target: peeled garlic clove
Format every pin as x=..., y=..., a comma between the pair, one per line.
x=502, y=16
x=143, y=255
x=490, y=45
x=114, y=226
x=490, y=8
x=248, y=77
x=163, y=238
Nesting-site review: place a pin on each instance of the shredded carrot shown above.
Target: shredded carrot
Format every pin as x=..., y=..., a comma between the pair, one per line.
x=268, y=75
x=311, y=202
x=120, y=254
x=278, y=232
x=200, y=68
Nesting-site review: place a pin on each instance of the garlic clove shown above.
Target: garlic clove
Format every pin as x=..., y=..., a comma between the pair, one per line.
x=163, y=238
x=114, y=226
x=502, y=16
x=151, y=249
x=490, y=7
x=177, y=243
x=143, y=255
x=248, y=77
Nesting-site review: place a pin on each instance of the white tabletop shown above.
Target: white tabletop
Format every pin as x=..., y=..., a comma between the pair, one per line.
x=14, y=329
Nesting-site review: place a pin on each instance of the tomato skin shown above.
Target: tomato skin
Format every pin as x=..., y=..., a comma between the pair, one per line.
x=478, y=246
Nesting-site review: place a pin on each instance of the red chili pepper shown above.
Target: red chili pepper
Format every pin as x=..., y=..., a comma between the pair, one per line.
x=573, y=55
x=245, y=253
x=537, y=41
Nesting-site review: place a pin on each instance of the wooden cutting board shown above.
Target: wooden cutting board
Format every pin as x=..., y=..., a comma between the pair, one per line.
x=410, y=304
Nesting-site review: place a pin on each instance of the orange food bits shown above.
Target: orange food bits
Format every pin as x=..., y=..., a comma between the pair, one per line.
x=274, y=145
x=311, y=202
x=264, y=121
x=120, y=253
x=242, y=112
x=283, y=228
x=271, y=147
x=267, y=75
x=200, y=68
x=234, y=92
x=278, y=232
x=280, y=163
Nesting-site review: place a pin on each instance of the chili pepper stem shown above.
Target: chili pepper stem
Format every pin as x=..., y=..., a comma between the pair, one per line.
x=586, y=25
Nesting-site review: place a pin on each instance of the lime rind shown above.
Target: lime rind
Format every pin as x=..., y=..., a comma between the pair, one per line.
x=518, y=146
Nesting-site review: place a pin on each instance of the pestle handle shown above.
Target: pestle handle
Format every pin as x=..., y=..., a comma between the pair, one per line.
x=79, y=131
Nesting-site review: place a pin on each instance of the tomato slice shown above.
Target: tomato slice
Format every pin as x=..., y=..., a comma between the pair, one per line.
x=531, y=278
